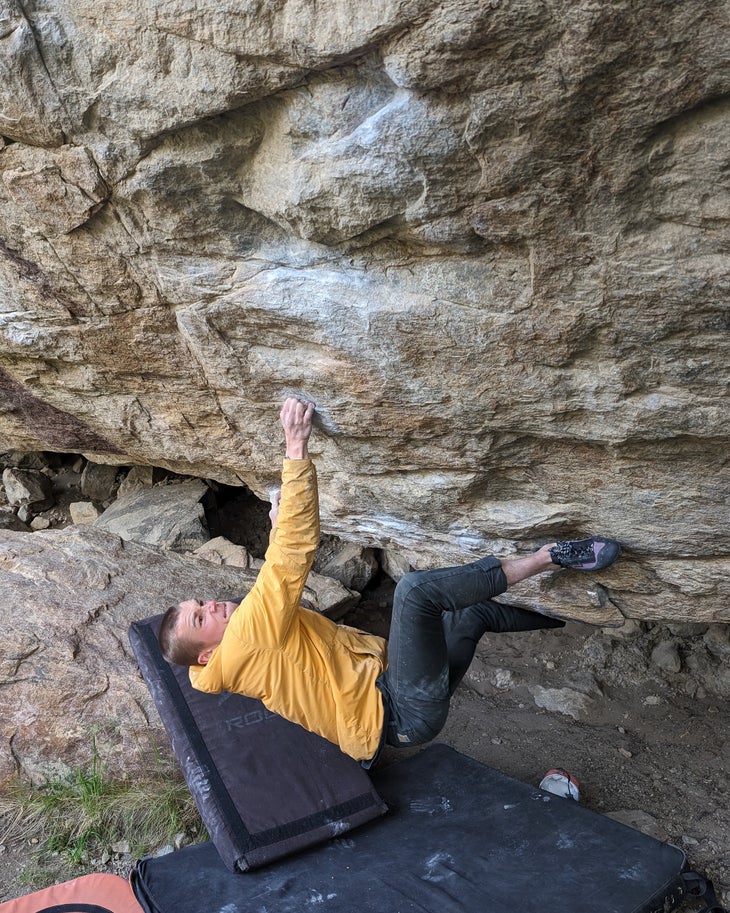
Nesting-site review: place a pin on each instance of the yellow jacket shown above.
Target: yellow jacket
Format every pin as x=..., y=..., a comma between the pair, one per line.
x=299, y=663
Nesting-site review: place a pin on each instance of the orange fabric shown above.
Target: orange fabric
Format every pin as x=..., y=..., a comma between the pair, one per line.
x=300, y=664
x=110, y=893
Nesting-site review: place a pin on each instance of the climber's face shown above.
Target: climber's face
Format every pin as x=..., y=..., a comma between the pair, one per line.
x=204, y=623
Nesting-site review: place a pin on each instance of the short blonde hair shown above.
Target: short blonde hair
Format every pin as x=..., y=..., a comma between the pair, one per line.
x=182, y=651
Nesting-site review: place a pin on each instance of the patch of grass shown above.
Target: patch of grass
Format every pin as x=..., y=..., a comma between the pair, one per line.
x=38, y=874
x=87, y=814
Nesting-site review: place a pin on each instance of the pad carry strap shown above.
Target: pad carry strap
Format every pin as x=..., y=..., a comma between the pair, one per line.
x=699, y=886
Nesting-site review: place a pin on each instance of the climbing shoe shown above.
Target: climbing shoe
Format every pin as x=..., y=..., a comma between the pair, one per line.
x=585, y=554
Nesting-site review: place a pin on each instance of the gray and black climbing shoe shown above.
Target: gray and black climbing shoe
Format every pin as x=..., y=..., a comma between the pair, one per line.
x=585, y=554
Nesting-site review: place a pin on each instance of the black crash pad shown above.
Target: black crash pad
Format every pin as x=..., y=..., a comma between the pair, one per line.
x=264, y=787
x=459, y=838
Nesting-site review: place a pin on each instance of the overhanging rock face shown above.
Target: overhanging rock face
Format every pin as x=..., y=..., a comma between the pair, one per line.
x=490, y=240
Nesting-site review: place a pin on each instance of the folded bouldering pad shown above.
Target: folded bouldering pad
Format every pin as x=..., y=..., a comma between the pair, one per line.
x=98, y=893
x=264, y=787
x=460, y=837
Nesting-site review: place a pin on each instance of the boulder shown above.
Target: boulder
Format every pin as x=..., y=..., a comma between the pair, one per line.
x=22, y=460
x=27, y=488
x=138, y=477
x=40, y=523
x=83, y=512
x=10, y=520
x=351, y=564
x=329, y=596
x=394, y=564
x=488, y=239
x=98, y=481
x=70, y=683
x=717, y=641
x=169, y=516
x=222, y=551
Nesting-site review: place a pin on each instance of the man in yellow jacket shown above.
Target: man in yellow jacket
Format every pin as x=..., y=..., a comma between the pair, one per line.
x=351, y=687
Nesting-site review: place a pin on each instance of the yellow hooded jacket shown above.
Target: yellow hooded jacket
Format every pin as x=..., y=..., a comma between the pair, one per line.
x=300, y=664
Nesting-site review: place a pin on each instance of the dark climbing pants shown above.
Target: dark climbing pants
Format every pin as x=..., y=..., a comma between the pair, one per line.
x=438, y=619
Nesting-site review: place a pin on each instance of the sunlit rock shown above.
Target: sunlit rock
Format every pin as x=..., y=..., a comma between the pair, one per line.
x=489, y=240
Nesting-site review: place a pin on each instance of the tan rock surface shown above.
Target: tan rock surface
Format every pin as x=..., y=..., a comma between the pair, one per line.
x=490, y=240
x=70, y=683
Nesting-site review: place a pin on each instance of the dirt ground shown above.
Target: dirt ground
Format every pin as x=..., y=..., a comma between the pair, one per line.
x=663, y=765
x=641, y=747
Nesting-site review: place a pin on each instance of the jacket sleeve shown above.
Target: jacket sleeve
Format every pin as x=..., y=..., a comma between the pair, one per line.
x=268, y=611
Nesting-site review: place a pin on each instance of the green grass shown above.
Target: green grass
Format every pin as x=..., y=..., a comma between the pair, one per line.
x=86, y=814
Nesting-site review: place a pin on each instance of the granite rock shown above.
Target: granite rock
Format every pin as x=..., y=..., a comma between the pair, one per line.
x=98, y=481
x=26, y=487
x=70, y=682
x=489, y=240
x=347, y=562
x=83, y=512
x=167, y=516
x=9, y=520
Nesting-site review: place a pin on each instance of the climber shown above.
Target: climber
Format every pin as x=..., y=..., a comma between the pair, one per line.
x=351, y=687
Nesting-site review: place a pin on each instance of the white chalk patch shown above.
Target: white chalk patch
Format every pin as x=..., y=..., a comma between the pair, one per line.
x=438, y=868
x=634, y=873
x=431, y=805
